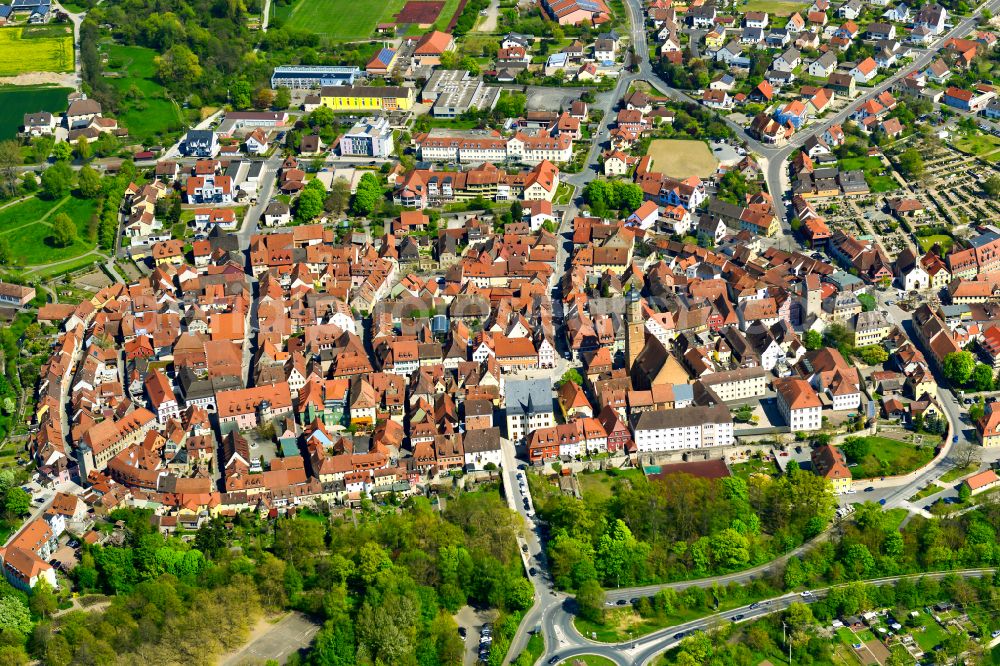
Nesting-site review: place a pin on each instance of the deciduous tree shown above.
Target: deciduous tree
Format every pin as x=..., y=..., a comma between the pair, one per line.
x=57, y=180
x=88, y=183
x=10, y=159
x=64, y=231
x=982, y=377
x=368, y=194
x=958, y=367
x=14, y=615
x=590, y=601
x=338, y=198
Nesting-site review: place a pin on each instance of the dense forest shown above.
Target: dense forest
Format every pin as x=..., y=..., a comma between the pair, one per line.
x=680, y=526
x=384, y=582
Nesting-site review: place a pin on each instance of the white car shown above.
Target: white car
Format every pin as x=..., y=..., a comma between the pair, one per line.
x=807, y=594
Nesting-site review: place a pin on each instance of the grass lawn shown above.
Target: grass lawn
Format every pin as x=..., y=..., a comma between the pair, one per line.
x=620, y=621
x=957, y=473
x=453, y=123
x=22, y=214
x=926, y=492
x=149, y=114
x=15, y=101
x=776, y=7
x=66, y=267
x=747, y=469
x=847, y=636
x=927, y=242
x=995, y=655
x=598, y=485
x=36, y=49
x=27, y=227
x=347, y=20
x=931, y=635
x=589, y=660
x=564, y=193
x=338, y=19
x=681, y=158
x=890, y=457
x=875, y=176
x=977, y=144
x=535, y=648
x=894, y=518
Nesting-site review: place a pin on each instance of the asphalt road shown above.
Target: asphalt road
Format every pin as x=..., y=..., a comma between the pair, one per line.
x=547, y=599
x=642, y=650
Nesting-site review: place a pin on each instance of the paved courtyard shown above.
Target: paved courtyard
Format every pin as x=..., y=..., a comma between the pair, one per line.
x=293, y=632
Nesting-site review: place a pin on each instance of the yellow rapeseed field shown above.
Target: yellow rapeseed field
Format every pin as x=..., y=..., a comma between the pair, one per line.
x=38, y=53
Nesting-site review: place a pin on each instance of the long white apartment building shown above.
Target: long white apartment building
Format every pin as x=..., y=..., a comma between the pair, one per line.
x=476, y=146
x=683, y=429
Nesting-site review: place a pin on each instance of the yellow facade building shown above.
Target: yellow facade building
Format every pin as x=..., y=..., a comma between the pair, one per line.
x=367, y=98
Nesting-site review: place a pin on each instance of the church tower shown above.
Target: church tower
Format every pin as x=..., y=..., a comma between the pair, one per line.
x=635, y=331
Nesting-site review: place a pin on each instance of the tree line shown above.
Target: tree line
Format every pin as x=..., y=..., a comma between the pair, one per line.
x=681, y=526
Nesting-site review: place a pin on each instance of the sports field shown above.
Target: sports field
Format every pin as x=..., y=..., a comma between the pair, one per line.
x=681, y=158
x=421, y=12
x=352, y=20
x=15, y=101
x=35, y=49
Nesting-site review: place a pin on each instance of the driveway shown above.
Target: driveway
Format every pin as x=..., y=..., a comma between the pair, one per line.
x=489, y=22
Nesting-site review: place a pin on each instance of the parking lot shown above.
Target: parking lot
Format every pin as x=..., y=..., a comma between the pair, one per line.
x=470, y=627
x=541, y=98
x=275, y=642
x=726, y=152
